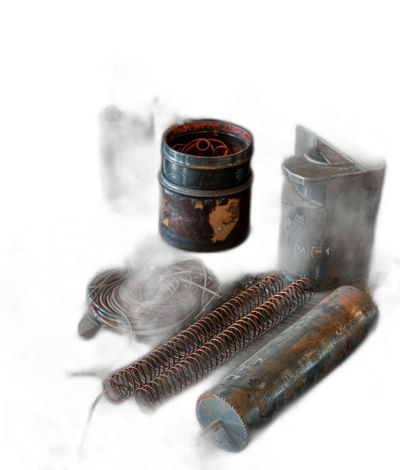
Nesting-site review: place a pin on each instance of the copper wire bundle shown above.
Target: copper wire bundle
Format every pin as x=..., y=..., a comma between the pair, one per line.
x=222, y=347
x=125, y=382
x=204, y=148
x=150, y=303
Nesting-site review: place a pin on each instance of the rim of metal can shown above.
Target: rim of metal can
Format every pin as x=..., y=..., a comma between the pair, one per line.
x=197, y=193
x=199, y=126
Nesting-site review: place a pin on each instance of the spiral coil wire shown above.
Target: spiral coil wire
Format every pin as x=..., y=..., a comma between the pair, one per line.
x=204, y=148
x=150, y=303
x=125, y=382
x=222, y=347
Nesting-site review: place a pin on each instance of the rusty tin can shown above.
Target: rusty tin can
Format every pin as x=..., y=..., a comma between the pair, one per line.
x=208, y=173
x=204, y=220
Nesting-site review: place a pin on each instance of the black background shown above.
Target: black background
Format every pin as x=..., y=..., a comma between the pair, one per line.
x=53, y=219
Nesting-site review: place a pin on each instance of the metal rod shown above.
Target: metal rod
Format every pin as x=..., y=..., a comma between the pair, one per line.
x=287, y=366
x=207, y=432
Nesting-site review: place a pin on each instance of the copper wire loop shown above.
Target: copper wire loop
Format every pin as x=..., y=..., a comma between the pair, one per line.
x=222, y=347
x=150, y=303
x=125, y=382
x=204, y=148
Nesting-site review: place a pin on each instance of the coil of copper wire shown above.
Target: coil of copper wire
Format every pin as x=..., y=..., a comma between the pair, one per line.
x=124, y=383
x=204, y=147
x=154, y=302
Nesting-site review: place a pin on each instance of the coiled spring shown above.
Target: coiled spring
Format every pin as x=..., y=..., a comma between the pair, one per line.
x=150, y=303
x=204, y=148
x=222, y=347
x=125, y=382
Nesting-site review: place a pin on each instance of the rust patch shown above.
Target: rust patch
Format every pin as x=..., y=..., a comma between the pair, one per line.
x=240, y=401
x=291, y=392
x=308, y=341
x=223, y=218
x=211, y=221
x=301, y=381
x=340, y=323
x=205, y=396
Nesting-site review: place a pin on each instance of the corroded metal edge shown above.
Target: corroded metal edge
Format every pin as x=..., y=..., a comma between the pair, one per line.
x=208, y=125
x=199, y=193
x=207, y=166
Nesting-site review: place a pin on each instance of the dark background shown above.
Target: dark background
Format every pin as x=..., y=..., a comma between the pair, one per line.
x=57, y=236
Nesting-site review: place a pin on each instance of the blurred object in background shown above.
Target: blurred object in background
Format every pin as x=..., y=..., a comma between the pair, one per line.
x=165, y=116
x=127, y=152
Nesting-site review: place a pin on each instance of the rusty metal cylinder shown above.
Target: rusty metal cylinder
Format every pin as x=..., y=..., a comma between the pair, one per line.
x=287, y=366
x=205, y=220
x=206, y=181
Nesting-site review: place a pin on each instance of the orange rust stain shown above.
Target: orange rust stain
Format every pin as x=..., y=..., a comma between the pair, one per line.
x=289, y=394
x=224, y=218
x=300, y=381
x=205, y=396
x=330, y=325
x=292, y=391
x=310, y=340
x=240, y=401
x=164, y=211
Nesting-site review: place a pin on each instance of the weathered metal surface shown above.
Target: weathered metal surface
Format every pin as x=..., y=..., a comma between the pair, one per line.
x=303, y=354
x=205, y=220
x=126, y=161
x=329, y=210
x=207, y=172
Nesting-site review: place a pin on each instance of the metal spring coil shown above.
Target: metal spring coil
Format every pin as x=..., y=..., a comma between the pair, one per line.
x=150, y=303
x=125, y=382
x=204, y=147
x=222, y=347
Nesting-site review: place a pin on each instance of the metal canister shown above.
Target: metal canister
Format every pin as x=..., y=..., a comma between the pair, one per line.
x=206, y=182
x=329, y=210
x=204, y=220
x=207, y=172
x=287, y=366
